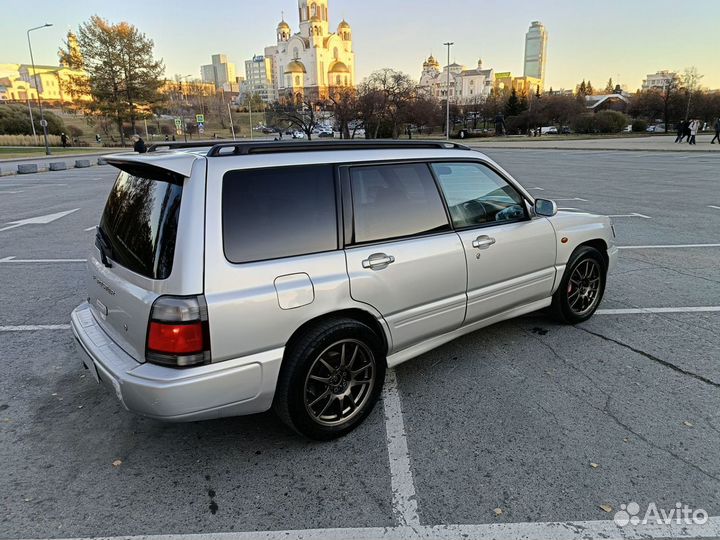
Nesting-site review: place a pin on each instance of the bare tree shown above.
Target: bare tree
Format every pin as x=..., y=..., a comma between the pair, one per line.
x=691, y=82
x=301, y=114
x=388, y=93
x=345, y=106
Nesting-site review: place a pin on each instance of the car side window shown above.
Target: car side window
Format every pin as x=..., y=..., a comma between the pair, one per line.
x=477, y=195
x=278, y=212
x=395, y=201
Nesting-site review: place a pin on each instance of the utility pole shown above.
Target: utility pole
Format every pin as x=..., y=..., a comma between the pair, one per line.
x=232, y=126
x=43, y=122
x=447, y=96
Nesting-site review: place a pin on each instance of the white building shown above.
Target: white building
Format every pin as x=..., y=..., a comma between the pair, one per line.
x=259, y=79
x=659, y=80
x=466, y=85
x=313, y=61
x=221, y=73
x=536, y=51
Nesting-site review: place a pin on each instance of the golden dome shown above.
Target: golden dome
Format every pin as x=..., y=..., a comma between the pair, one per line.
x=282, y=25
x=343, y=24
x=295, y=67
x=339, y=67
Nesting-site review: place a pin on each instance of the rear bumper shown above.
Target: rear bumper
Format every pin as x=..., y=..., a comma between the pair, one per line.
x=233, y=387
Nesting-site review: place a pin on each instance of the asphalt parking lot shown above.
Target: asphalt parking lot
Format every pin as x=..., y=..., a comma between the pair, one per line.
x=524, y=429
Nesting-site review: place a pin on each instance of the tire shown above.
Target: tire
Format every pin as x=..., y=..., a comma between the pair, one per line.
x=577, y=298
x=320, y=395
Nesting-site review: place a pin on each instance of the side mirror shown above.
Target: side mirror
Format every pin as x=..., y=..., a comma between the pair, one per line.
x=545, y=207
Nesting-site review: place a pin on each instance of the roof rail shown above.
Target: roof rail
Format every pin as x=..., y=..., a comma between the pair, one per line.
x=278, y=147
x=172, y=145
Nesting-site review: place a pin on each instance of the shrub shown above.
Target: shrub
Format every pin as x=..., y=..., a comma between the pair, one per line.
x=583, y=123
x=639, y=126
x=75, y=131
x=15, y=120
x=610, y=121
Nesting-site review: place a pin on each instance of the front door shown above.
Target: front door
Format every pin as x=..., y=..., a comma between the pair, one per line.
x=510, y=256
x=402, y=256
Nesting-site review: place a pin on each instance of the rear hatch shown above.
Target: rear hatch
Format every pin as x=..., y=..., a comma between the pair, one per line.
x=134, y=251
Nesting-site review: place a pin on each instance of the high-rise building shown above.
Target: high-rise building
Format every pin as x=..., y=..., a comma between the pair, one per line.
x=220, y=72
x=259, y=78
x=313, y=62
x=536, y=51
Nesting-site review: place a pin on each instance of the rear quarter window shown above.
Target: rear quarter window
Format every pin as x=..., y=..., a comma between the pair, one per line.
x=278, y=212
x=139, y=224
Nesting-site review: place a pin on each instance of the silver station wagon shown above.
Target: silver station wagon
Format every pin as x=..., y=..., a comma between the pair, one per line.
x=231, y=279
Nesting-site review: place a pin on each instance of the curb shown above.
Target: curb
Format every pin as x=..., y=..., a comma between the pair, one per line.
x=518, y=146
x=57, y=166
x=27, y=168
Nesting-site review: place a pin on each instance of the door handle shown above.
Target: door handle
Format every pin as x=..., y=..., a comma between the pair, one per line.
x=483, y=242
x=378, y=261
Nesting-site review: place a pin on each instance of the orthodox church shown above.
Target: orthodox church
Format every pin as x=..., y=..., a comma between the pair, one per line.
x=466, y=85
x=313, y=61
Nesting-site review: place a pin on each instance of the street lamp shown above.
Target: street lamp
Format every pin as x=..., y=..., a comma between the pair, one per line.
x=447, y=93
x=184, y=97
x=43, y=122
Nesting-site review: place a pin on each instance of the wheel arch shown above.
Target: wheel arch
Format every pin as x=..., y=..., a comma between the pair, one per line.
x=600, y=245
x=357, y=314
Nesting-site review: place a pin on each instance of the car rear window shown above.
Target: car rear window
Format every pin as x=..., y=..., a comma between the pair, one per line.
x=278, y=212
x=139, y=224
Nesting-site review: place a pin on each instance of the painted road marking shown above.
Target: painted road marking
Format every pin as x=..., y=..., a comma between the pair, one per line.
x=91, y=228
x=34, y=327
x=538, y=188
x=713, y=206
x=39, y=220
x=557, y=530
x=634, y=214
x=19, y=191
x=634, y=311
x=12, y=259
x=573, y=199
x=404, y=501
x=670, y=246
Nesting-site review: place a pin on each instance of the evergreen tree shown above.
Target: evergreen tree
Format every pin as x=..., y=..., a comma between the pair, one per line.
x=589, y=89
x=610, y=87
x=124, y=77
x=512, y=105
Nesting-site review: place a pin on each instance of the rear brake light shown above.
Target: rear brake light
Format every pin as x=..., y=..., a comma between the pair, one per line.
x=178, y=333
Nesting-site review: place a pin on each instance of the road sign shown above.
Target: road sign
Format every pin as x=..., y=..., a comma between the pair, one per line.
x=200, y=118
x=43, y=123
x=178, y=123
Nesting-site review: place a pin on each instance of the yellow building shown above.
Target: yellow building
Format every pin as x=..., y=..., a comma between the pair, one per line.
x=505, y=82
x=18, y=82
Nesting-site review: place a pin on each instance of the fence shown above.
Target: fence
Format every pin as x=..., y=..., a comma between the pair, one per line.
x=28, y=140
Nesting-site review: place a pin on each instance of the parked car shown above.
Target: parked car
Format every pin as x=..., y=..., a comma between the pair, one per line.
x=298, y=135
x=658, y=128
x=549, y=130
x=326, y=134
x=230, y=279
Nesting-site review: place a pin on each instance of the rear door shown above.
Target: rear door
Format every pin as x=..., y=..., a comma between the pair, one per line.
x=133, y=259
x=510, y=255
x=402, y=256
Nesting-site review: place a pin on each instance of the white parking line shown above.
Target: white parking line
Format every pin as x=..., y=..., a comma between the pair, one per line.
x=538, y=188
x=404, y=501
x=557, y=530
x=633, y=311
x=573, y=199
x=14, y=260
x=713, y=206
x=19, y=191
x=670, y=246
x=634, y=214
x=34, y=327
x=91, y=228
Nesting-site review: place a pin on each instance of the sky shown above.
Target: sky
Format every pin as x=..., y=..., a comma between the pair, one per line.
x=622, y=39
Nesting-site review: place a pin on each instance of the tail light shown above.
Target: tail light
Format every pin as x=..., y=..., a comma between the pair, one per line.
x=178, y=333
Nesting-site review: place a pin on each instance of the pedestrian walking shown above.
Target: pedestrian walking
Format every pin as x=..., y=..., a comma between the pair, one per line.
x=694, y=126
x=680, y=131
x=63, y=139
x=139, y=144
x=717, y=131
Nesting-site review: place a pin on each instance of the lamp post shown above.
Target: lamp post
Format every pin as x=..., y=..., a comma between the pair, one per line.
x=43, y=122
x=447, y=96
x=184, y=97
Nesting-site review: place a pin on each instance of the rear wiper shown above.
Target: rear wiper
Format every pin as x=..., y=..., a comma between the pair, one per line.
x=103, y=244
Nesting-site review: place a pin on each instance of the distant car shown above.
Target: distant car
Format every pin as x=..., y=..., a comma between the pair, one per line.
x=328, y=134
x=658, y=128
x=565, y=130
x=549, y=130
x=298, y=135
x=628, y=128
